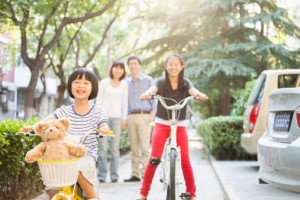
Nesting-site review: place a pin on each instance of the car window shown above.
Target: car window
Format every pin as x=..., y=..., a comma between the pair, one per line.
x=258, y=90
x=287, y=80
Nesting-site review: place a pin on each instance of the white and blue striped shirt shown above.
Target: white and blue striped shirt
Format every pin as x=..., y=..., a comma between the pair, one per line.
x=82, y=124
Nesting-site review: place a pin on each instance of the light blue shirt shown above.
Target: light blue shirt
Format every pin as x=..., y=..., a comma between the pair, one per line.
x=135, y=89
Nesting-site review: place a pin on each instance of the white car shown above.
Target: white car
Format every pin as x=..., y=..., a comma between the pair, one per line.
x=255, y=115
x=279, y=147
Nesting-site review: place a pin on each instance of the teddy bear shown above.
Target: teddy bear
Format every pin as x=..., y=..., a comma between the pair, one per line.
x=53, y=145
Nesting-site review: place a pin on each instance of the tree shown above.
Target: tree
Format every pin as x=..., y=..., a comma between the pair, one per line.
x=225, y=42
x=41, y=24
x=58, y=56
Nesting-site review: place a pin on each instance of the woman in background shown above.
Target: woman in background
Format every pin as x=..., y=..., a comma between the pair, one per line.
x=113, y=98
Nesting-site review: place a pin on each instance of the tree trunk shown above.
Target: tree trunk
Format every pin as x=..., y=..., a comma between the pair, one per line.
x=225, y=103
x=61, y=91
x=30, y=91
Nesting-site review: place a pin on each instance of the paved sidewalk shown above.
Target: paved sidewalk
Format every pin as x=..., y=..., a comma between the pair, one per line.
x=207, y=183
x=240, y=182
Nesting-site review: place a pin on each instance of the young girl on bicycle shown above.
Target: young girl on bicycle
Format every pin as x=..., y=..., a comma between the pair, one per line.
x=176, y=87
x=84, y=117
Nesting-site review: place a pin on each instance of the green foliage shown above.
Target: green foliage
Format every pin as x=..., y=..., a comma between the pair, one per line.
x=124, y=142
x=240, y=97
x=222, y=137
x=224, y=43
x=15, y=174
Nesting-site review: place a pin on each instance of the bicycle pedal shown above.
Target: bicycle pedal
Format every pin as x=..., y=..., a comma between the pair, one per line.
x=185, y=196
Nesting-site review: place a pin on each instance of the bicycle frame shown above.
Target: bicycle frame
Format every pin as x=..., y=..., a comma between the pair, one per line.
x=171, y=175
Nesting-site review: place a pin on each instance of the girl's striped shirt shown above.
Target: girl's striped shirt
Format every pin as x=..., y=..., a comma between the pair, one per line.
x=82, y=124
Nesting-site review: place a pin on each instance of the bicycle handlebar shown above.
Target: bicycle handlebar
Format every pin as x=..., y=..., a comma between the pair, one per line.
x=28, y=133
x=177, y=106
x=97, y=134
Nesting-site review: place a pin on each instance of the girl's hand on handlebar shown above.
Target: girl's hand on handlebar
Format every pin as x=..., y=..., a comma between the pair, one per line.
x=145, y=96
x=201, y=96
x=25, y=129
x=104, y=129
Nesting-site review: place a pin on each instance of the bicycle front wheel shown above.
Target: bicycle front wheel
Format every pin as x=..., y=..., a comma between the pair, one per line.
x=171, y=192
x=61, y=197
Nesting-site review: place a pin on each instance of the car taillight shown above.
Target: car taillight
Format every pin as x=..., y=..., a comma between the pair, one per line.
x=298, y=117
x=253, y=116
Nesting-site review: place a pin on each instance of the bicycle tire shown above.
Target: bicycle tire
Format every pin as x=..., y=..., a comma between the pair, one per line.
x=59, y=197
x=171, y=192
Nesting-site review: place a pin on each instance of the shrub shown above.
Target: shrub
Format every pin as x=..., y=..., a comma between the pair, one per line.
x=124, y=142
x=222, y=137
x=18, y=180
x=240, y=97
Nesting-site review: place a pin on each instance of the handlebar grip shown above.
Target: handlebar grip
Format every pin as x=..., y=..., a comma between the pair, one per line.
x=110, y=133
x=29, y=133
x=152, y=96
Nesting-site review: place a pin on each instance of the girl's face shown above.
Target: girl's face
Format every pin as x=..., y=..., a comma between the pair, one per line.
x=81, y=88
x=174, y=67
x=117, y=72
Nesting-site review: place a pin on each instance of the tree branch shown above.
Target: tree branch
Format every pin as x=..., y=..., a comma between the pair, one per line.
x=91, y=57
x=40, y=44
x=22, y=25
x=67, y=21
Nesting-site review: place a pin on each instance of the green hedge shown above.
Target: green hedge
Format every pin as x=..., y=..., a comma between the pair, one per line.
x=18, y=180
x=222, y=137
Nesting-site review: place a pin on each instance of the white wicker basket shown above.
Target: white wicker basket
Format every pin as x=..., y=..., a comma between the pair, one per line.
x=59, y=173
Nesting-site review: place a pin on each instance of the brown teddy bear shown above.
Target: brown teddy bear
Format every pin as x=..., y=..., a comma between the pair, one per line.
x=53, y=146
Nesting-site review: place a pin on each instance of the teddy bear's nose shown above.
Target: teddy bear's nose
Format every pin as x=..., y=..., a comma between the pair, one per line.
x=50, y=130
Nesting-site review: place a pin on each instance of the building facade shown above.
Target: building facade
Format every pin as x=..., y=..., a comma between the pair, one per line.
x=14, y=79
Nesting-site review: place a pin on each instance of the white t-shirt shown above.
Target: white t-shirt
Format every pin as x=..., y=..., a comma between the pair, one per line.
x=114, y=100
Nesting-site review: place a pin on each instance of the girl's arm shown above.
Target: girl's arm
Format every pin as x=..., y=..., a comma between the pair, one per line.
x=200, y=96
x=152, y=90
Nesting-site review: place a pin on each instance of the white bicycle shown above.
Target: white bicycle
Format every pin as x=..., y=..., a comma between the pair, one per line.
x=170, y=170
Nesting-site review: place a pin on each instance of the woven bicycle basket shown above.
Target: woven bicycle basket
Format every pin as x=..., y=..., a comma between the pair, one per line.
x=59, y=173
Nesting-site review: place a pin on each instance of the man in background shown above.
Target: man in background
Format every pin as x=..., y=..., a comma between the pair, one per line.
x=140, y=115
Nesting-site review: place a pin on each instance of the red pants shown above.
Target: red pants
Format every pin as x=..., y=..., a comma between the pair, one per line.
x=159, y=137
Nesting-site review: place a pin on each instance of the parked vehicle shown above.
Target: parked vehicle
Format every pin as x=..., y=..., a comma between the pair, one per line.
x=279, y=147
x=255, y=115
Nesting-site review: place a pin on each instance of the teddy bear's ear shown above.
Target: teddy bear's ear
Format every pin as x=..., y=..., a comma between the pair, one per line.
x=65, y=122
x=40, y=128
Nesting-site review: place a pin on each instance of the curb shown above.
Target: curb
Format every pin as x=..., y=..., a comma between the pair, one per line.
x=225, y=184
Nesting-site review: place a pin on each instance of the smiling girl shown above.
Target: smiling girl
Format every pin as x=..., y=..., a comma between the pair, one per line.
x=176, y=87
x=85, y=118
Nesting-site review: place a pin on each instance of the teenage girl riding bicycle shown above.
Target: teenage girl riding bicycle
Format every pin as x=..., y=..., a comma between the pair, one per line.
x=85, y=118
x=173, y=86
